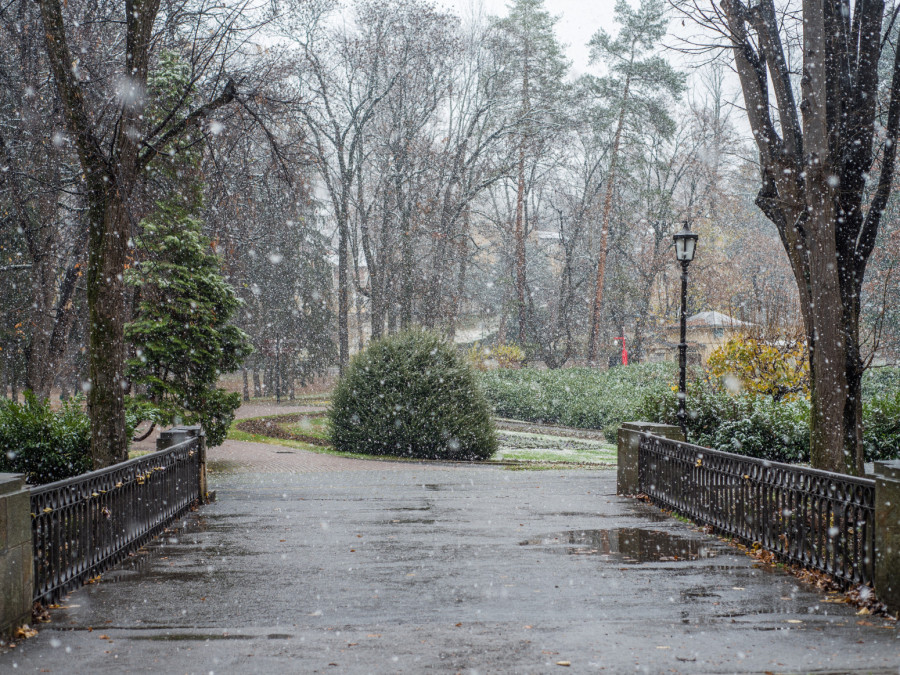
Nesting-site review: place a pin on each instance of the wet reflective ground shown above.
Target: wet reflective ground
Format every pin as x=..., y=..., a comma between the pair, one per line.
x=630, y=545
x=403, y=568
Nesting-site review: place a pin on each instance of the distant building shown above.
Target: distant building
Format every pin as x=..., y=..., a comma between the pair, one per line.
x=706, y=332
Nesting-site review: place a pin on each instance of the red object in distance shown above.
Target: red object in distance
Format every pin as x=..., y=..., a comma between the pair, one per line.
x=624, y=351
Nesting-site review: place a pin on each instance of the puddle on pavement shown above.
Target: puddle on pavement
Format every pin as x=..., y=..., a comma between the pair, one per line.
x=192, y=637
x=627, y=545
x=652, y=515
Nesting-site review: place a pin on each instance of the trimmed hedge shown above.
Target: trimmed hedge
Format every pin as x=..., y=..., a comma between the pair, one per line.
x=411, y=395
x=748, y=424
x=584, y=398
x=753, y=425
x=881, y=427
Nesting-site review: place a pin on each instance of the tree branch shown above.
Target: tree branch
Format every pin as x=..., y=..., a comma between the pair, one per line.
x=192, y=120
x=866, y=242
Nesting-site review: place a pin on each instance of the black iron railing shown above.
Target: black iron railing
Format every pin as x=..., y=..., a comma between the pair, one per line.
x=818, y=519
x=84, y=525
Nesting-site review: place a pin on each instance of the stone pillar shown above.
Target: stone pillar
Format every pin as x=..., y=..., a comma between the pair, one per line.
x=627, y=479
x=170, y=437
x=177, y=435
x=196, y=431
x=887, y=533
x=16, y=554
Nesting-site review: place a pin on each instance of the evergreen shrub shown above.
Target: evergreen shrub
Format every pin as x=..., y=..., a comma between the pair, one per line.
x=759, y=426
x=748, y=424
x=44, y=444
x=881, y=426
x=411, y=395
x=584, y=398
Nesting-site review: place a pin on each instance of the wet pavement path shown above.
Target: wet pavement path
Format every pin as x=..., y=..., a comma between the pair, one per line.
x=308, y=564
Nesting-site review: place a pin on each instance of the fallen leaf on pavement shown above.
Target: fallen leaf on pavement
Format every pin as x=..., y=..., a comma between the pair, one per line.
x=25, y=631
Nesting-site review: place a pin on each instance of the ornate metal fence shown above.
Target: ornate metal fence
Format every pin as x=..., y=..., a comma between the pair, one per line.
x=84, y=525
x=821, y=520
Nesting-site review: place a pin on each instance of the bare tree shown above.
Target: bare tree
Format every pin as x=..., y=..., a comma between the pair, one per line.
x=40, y=188
x=343, y=84
x=827, y=168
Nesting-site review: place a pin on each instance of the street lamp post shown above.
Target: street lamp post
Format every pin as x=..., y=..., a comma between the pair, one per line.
x=685, y=245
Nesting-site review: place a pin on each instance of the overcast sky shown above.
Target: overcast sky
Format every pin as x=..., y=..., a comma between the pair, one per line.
x=578, y=21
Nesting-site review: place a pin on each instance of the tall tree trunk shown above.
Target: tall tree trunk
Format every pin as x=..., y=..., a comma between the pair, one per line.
x=521, y=280
x=46, y=356
x=357, y=306
x=343, y=293
x=257, y=386
x=38, y=372
x=463, y=253
x=13, y=379
x=375, y=267
x=106, y=301
x=376, y=320
x=245, y=391
x=826, y=328
x=407, y=265
x=604, y=229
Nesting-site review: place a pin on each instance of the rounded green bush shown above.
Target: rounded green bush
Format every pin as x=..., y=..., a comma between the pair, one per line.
x=411, y=395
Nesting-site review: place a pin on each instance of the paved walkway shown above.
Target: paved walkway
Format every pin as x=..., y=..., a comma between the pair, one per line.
x=235, y=457
x=309, y=563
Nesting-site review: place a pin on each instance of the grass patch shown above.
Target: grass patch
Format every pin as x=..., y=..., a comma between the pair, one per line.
x=236, y=434
x=532, y=447
x=323, y=399
x=535, y=451
x=317, y=427
x=138, y=453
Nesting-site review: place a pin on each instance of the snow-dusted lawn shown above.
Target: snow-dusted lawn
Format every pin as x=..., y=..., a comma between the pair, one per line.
x=525, y=446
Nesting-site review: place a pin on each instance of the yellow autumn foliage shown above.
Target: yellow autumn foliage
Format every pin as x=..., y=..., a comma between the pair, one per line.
x=477, y=357
x=776, y=368
x=509, y=356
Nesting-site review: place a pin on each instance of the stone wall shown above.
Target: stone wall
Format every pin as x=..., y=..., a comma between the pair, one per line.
x=16, y=557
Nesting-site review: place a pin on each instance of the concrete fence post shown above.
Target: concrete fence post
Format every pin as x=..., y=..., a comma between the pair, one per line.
x=177, y=435
x=170, y=437
x=627, y=479
x=16, y=554
x=196, y=431
x=887, y=533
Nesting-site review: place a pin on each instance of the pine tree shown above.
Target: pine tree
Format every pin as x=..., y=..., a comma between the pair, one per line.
x=640, y=84
x=536, y=70
x=180, y=334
